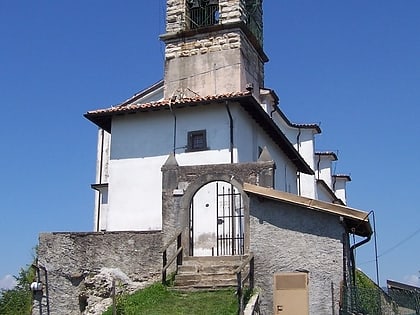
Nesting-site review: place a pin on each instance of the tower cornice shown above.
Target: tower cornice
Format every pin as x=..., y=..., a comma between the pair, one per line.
x=206, y=31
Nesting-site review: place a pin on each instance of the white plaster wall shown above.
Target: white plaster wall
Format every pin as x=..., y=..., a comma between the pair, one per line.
x=306, y=148
x=323, y=194
x=102, y=174
x=305, y=145
x=215, y=120
x=249, y=136
x=135, y=194
x=340, y=189
x=324, y=165
x=140, y=146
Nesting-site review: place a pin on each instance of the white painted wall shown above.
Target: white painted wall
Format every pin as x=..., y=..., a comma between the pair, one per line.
x=323, y=193
x=141, y=144
x=306, y=148
x=102, y=175
x=323, y=168
x=303, y=141
x=249, y=137
x=339, y=185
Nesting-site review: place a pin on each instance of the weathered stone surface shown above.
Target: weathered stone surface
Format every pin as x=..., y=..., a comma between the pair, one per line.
x=230, y=11
x=300, y=239
x=81, y=267
x=175, y=209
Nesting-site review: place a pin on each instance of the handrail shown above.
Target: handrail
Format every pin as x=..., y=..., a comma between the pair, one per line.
x=172, y=259
x=171, y=241
x=244, y=263
x=241, y=280
x=178, y=255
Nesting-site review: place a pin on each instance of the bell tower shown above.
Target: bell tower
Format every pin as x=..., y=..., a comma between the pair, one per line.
x=213, y=47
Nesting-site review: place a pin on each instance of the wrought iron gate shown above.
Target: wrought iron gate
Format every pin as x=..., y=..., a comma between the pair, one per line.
x=229, y=215
x=230, y=221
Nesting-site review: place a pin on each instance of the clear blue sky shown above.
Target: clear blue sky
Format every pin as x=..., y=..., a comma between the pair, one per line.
x=352, y=66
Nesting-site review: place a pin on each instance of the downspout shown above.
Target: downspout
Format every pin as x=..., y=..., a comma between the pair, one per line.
x=173, y=113
x=98, y=217
x=317, y=165
x=231, y=161
x=230, y=131
x=298, y=173
x=272, y=111
x=353, y=263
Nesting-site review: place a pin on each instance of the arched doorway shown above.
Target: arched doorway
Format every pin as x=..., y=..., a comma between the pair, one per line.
x=216, y=221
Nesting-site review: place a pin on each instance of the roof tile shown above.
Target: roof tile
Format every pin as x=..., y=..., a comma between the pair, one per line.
x=166, y=102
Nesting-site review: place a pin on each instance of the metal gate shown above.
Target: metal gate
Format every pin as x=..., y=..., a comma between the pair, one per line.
x=230, y=220
x=228, y=213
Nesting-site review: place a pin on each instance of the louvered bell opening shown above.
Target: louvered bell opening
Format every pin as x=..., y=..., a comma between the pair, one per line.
x=203, y=13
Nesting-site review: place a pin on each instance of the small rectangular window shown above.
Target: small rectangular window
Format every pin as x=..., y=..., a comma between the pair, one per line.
x=196, y=141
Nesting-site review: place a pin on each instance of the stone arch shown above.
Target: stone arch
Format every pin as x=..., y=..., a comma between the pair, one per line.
x=203, y=204
x=180, y=183
x=203, y=180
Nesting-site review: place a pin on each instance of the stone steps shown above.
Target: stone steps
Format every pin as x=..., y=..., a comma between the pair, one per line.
x=207, y=273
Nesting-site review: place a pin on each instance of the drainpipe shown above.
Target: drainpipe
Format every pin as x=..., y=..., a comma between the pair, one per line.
x=98, y=216
x=230, y=131
x=298, y=173
x=272, y=111
x=352, y=249
x=173, y=113
x=317, y=165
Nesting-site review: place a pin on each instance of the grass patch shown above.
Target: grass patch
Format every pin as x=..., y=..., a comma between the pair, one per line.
x=159, y=300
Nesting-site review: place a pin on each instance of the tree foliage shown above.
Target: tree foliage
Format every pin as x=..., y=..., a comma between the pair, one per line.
x=19, y=299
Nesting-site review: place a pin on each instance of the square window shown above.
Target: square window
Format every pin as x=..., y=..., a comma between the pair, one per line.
x=196, y=141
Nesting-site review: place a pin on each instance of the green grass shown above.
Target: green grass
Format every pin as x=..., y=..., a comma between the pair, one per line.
x=158, y=300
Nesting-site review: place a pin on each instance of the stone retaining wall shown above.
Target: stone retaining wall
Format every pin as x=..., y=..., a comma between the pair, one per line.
x=80, y=268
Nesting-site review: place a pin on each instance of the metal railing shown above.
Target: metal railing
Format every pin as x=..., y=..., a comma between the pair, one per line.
x=362, y=300
x=206, y=15
x=167, y=262
x=242, y=276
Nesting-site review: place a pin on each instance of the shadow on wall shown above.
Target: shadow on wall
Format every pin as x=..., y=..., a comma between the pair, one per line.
x=295, y=218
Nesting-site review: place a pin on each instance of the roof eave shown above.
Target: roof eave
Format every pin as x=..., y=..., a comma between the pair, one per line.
x=356, y=221
x=103, y=120
x=275, y=133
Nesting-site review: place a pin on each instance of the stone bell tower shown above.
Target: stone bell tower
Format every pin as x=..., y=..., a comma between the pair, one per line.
x=213, y=47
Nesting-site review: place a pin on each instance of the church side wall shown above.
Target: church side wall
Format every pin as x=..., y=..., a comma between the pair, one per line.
x=249, y=138
x=81, y=266
x=299, y=239
x=140, y=146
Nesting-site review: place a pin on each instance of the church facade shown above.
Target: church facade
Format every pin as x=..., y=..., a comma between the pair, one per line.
x=208, y=153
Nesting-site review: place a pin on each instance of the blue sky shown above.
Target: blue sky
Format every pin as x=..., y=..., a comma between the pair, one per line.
x=352, y=66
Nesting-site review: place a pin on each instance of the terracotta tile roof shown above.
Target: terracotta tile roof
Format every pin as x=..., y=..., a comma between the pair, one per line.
x=103, y=117
x=307, y=126
x=328, y=153
x=165, y=103
x=344, y=176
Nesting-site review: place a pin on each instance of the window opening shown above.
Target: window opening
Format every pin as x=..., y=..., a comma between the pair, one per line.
x=203, y=13
x=197, y=141
x=254, y=18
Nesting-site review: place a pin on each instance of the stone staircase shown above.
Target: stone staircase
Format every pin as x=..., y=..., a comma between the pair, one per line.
x=207, y=273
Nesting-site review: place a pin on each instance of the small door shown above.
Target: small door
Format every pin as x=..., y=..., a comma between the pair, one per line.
x=291, y=296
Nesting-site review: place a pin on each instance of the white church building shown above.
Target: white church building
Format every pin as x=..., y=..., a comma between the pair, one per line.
x=208, y=151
